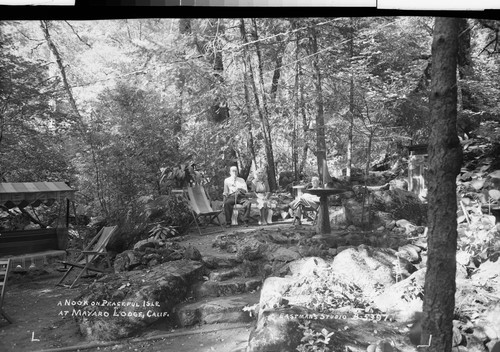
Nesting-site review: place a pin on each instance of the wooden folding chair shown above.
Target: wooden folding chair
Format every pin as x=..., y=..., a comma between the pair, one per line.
x=4, y=273
x=201, y=207
x=96, y=248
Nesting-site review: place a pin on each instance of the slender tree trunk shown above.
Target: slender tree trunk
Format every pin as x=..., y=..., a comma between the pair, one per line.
x=351, y=107
x=295, y=155
x=444, y=166
x=263, y=111
x=184, y=27
x=305, y=123
x=296, y=95
x=320, y=119
x=45, y=28
x=248, y=117
x=220, y=110
x=369, y=153
x=350, y=130
x=277, y=72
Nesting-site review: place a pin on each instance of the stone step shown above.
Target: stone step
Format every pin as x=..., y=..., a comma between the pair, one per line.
x=222, y=260
x=224, y=274
x=216, y=310
x=229, y=287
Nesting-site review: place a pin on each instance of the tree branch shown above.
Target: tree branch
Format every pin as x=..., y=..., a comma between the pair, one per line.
x=77, y=35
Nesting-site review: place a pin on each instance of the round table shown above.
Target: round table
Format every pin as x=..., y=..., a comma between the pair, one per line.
x=323, y=219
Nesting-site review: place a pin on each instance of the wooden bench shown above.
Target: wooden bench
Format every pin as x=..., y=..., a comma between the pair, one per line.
x=32, y=241
x=25, y=247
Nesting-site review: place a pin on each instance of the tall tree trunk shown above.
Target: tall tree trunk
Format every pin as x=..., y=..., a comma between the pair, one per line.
x=45, y=25
x=295, y=154
x=246, y=82
x=220, y=110
x=305, y=123
x=444, y=166
x=296, y=96
x=184, y=27
x=320, y=119
x=277, y=71
x=351, y=106
x=263, y=111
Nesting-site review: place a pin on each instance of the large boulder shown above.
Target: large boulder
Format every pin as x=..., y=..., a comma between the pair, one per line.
x=383, y=205
x=294, y=329
x=284, y=255
x=372, y=269
x=121, y=304
x=273, y=289
x=355, y=214
x=148, y=253
x=276, y=330
x=285, y=323
x=251, y=249
x=307, y=266
x=127, y=260
x=403, y=299
x=401, y=204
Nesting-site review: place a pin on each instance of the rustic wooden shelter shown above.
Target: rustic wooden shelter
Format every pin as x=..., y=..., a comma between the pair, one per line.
x=417, y=170
x=25, y=194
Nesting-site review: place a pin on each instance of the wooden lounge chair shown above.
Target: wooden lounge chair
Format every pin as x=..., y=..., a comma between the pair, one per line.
x=201, y=207
x=4, y=273
x=96, y=248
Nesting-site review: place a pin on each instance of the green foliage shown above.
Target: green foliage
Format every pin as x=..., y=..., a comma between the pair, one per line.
x=161, y=232
x=314, y=341
x=326, y=291
x=479, y=237
x=170, y=211
x=161, y=217
x=413, y=291
x=478, y=192
x=146, y=90
x=180, y=176
x=32, y=129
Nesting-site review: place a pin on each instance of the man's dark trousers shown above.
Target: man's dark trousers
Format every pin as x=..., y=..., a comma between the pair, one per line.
x=229, y=206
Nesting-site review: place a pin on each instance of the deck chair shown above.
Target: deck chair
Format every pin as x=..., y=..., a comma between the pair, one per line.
x=201, y=207
x=96, y=248
x=4, y=273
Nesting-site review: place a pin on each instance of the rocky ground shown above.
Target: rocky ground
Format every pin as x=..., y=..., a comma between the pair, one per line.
x=254, y=289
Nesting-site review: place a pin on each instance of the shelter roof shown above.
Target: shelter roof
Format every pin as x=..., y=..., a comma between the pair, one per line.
x=21, y=194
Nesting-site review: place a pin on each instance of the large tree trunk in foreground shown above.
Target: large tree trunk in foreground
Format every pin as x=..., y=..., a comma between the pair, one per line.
x=444, y=165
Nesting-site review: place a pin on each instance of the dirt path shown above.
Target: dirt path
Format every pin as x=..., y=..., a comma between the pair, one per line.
x=32, y=301
x=38, y=325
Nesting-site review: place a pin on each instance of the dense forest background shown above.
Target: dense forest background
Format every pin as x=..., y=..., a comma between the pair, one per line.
x=109, y=105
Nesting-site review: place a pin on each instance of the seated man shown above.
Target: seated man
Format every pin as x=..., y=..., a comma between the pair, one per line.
x=235, y=189
x=306, y=200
